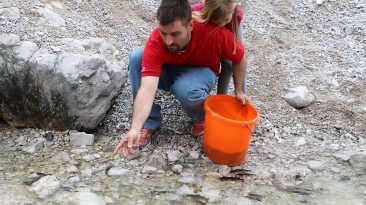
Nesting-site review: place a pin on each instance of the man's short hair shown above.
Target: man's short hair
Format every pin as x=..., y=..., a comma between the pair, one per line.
x=172, y=10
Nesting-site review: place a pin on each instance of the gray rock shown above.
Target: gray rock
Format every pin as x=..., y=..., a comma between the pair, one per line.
x=213, y=195
x=299, y=97
x=64, y=90
x=177, y=168
x=88, y=157
x=72, y=168
x=148, y=169
x=174, y=155
x=300, y=141
x=81, y=138
x=61, y=156
x=358, y=160
x=316, y=165
x=35, y=147
x=117, y=171
x=158, y=161
x=45, y=186
x=74, y=179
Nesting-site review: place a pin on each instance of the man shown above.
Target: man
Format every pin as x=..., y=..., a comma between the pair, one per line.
x=183, y=57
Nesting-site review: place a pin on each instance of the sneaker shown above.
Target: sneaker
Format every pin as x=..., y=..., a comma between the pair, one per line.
x=145, y=137
x=197, y=128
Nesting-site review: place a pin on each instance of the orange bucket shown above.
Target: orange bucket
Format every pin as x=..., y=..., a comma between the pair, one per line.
x=228, y=129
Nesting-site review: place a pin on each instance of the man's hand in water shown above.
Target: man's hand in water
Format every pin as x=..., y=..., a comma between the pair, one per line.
x=129, y=143
x=242, y=98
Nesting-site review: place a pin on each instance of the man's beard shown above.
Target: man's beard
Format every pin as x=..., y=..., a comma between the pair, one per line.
x=174, y=48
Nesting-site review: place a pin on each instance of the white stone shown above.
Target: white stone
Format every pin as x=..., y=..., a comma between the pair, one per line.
x=45, y=186
x=25, y=50
x=71, y=168
x=81, y=138
x=300, y=141
x=174, y=155
x=319, y=2
x=185, y=190
x=299, y=97
x=117, y=171
x=177, y=168
x=315, y=165
x=34, y=147
x=224, y=170
x=9, y=40
x=89, y=198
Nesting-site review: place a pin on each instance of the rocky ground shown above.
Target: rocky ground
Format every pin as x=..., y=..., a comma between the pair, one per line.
x=314, y=155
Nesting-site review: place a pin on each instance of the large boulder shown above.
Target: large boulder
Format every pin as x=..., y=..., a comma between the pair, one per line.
x=70, y=85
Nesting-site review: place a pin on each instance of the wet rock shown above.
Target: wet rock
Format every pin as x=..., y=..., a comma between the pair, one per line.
x=299, y=97
x=148, y=169
x=224, y=170
x=316, y=165
x=45, y=186
x=285, y=179
x=174, y=155
x=116, y=171
x=89, y=198
x=81, y=138
x=177, y=168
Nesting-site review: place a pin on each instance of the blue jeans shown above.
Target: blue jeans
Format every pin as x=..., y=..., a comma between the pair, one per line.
x=190, y=85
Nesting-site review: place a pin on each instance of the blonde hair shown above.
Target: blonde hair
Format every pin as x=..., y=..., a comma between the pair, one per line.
x=217, y=11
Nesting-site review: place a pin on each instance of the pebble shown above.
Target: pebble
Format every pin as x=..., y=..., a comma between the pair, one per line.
x=177, y=168
x=117, y=171
x=224, y=170
x=148, y=169
x=315, y=165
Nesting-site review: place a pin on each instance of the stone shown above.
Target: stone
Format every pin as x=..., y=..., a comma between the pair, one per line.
x=177, y=168
x=45, y=186
x=213, y=195
x=224, y=170
x=9, y=40
x=117, y=171
x=81, y=138
x=148, y=169
x=71, y=89
x=358, y=160
x=89, y=198
x=185, y=191
x=25, y=50
x=300, y=141
x=315, y=165
x=174, y=155
x=299, y=97
x=35, y=147
x=194, y=154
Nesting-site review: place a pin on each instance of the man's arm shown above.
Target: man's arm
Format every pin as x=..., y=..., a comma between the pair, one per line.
x=140, y=113
x=239, y=72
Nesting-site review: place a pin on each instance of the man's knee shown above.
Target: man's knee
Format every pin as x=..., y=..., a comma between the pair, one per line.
x=190, y=96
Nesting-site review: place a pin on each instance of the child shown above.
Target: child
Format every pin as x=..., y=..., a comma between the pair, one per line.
x=223, y=13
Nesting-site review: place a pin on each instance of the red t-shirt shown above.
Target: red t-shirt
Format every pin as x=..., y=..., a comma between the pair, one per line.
x=208, y=44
